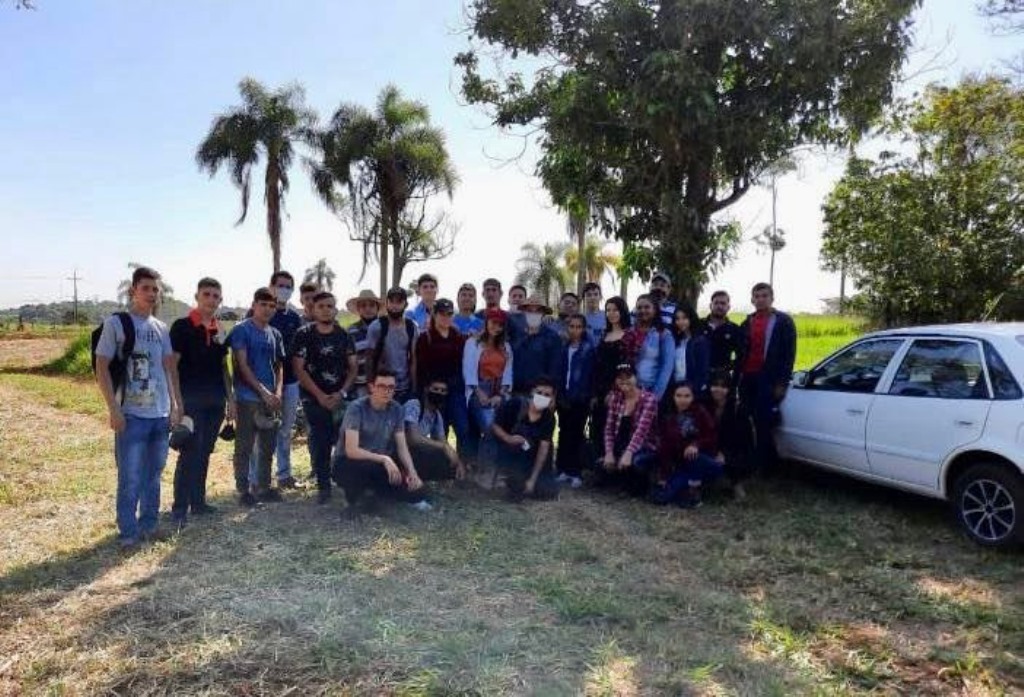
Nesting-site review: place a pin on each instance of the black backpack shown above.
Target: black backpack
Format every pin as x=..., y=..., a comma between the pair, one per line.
x=119, y=363
x=385, y=325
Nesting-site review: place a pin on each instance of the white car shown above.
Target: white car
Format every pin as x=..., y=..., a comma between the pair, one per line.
x=934, y=410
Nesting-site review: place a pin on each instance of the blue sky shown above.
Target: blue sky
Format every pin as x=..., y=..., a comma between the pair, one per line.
x=104, y=102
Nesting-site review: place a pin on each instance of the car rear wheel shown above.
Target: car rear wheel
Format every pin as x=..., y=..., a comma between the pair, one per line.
x=989, y=504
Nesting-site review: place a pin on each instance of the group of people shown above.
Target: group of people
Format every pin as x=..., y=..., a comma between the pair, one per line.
x=654, y=401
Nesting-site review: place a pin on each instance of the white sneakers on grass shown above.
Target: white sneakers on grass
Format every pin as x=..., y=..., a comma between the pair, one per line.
x=422, y=506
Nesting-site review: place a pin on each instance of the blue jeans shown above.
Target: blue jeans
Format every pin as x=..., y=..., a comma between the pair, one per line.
x=703, y=468
x=483, y=417
x=289, y=407
x=456, y=413
x=141, y=453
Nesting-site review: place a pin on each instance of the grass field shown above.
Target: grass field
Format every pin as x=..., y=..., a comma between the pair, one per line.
x=814, y=585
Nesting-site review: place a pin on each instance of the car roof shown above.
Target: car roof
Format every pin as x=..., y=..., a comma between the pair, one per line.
x=970, y=329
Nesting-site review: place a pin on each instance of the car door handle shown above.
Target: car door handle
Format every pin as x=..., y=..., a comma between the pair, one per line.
x=961, y=422
x=854, y=412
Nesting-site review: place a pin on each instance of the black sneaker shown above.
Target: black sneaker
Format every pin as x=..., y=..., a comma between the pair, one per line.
x=270, y=496
x=203, y=509
x=247, y=499
x=323, y=496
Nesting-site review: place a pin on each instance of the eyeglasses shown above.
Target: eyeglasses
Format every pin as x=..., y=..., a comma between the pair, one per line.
x=386, y=388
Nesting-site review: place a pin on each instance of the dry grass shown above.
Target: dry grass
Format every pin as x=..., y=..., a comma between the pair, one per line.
x=815, y=585
x=25, y=353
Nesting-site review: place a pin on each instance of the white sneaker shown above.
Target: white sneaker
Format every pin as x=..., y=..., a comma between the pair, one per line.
x=575, y=482
x=422, y=506
x=563, y=478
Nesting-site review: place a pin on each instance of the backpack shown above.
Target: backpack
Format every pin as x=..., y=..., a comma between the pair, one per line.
x=385, y=325
x=119, y=363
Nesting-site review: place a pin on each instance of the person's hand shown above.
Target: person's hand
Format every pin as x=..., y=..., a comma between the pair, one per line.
x=609, y=461
x=117, y=422
x=330, y=401
x=413, y=481
x=691, y=452
x=495, y=401
x=626, y=461
x=231, y=410
x=460, y=470
x=175, y=415
x=394, y=474
x=720, y=457
x=272, y=401
x=531, y=484
x=516, y=441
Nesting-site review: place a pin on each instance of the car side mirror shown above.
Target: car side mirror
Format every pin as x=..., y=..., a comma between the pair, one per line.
x=800, y=378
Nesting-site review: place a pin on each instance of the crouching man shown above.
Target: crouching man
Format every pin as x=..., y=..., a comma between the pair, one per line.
x=425, y=433
x=524, y=428
x=374, y=454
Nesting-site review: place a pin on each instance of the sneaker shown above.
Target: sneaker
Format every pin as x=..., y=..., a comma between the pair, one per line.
x=157, y=535
x=127, y=545
x=203, y=509
x=323, y=496
x=289, y=483
x=179, y=520
x=563, y=478
x=270, y=496
x=575, y=482
x=247, y=499
x=422, y=506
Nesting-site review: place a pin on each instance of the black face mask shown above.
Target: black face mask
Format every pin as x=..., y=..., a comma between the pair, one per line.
x=658, y=294
x=436, y=398
x=395, y=314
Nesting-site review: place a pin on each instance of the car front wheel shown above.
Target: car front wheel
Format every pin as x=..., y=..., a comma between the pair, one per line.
x=989, y=504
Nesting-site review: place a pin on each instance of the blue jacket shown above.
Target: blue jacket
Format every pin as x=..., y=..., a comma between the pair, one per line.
x=698, y=362
x=536, y=355
x=576, y=381
x=780, y=347
x=656, y=362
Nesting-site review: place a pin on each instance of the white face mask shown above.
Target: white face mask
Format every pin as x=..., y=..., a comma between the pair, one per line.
x=284, y=294
x=533, y=319
x=541, y=401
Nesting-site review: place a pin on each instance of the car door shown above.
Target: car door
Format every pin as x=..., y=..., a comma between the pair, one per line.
x=824, y=419
x=937, y=402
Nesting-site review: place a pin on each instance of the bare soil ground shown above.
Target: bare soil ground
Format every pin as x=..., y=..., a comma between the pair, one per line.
x=814, y=585
x=27, y=353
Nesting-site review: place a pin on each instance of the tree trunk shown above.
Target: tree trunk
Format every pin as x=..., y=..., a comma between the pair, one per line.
x=398, y=263
x=385, y=225
x=578, y=230
x=771, y=269
x=273, y=195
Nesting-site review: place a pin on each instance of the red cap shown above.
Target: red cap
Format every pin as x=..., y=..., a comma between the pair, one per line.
x=496, y=313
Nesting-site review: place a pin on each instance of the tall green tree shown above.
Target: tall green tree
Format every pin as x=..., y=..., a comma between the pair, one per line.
x=937, y=236
x=382, y=169
x=321, y=274
x=541, y=269
x=670, y=109
x=264, y=128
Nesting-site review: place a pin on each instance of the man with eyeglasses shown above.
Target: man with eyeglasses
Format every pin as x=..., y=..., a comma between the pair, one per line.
x=373, y=452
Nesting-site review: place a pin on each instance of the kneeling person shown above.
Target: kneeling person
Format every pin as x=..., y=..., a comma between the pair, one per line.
x=523, y=430
x=373, y=438
x=425, y=434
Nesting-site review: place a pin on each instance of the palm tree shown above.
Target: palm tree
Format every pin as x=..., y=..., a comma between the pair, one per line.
x=597, y=261
x=772, y=237
x=578, y=234
x=321, y=274
x=387, y=162
x=265, y=127
x=774, y=240
x=124, y=288
x=541, y=270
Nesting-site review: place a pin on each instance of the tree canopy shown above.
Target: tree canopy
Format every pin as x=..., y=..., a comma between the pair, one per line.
x=937, y=235
x=663, y=113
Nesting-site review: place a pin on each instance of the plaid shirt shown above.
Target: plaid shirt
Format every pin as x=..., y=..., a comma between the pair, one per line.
x=644, y=417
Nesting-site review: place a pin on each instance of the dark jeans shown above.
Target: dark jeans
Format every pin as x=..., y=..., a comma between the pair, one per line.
x=596, y=431
x=194, y=457
x=518, y=464
x=698, y=471
x=323, y=434
x=356, y=476
x=432, y=464
x=246, y=435
x=572, y=421
x=456, y=417
x=758, y=402
x=635, y=480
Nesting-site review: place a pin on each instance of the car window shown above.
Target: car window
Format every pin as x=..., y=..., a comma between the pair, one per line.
x=943, y=368
x=1004, y=386
x=857, y=369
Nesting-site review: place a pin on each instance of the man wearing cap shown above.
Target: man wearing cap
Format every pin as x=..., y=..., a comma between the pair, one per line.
x=201, y=354
x=426, y=288
x=466, y=320
x=661, y=290
x=367, y=307
x=324, y=361
x=257, y=352
x=538, y=350
x=393, y=341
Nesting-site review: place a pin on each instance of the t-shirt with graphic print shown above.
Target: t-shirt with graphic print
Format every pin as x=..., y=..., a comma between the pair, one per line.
x=264, y=349
x=325, y=356
x=145, y=393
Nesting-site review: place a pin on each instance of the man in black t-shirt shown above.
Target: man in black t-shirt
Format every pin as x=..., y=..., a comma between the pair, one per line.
x=523, y=429
x=724, y=336
x=324, y=361
x=200, y=351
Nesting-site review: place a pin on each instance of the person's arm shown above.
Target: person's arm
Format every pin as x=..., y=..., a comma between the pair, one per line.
x=414, y=382
x=701, y=364
x=353, y=451
x=350, y=373
x=405, y=457
x=173, y=386
x=306, y=381
x=106, y=349
x=538, y=465
x=506, y=376
x=707, y=434
x=240, y=357
x=499, y=431
x=614, y=408
x=666, y=359
x=420, y=361
x=230, y=410
x=646, y=413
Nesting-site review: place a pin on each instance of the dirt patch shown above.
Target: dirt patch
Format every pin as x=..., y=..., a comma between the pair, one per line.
x=29, y=353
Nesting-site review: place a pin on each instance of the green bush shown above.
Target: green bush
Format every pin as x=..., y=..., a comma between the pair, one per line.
x=76, y=360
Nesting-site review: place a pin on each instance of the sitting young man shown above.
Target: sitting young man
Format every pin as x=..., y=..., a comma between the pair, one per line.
x=373, y=437
x=523, y=430
x=425, y=434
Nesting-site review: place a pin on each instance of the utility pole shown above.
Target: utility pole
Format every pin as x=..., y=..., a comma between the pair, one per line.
x=75, y=279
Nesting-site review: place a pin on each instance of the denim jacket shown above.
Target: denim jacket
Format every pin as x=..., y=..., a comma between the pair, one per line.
x=576, y=384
